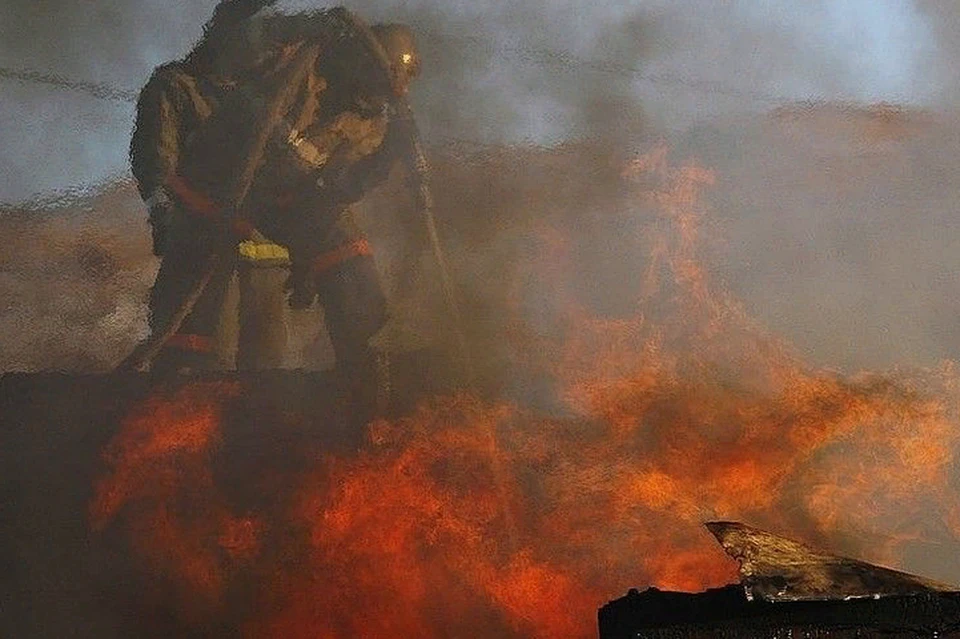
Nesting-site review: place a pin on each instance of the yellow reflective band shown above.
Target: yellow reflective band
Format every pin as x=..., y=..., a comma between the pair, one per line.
x=261, y=251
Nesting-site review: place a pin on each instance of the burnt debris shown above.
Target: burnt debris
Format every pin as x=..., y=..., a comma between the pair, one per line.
x=788, y=589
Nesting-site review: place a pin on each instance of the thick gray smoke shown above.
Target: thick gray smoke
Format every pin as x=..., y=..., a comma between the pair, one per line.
x=805, y=208
x=535, y=70
x=944, y=18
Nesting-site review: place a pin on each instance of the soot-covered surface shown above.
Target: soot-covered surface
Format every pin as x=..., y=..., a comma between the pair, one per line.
x=725, y=612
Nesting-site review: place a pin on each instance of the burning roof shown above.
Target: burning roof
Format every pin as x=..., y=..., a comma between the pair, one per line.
x=512, y=512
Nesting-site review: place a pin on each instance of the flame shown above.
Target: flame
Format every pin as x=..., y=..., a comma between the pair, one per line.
x=479, y=518
x=161, y=456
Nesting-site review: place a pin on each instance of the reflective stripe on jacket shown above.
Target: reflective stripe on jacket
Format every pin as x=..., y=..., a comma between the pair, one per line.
x=263, y=253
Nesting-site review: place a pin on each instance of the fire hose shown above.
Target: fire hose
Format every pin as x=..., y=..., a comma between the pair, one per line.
x=420, y=168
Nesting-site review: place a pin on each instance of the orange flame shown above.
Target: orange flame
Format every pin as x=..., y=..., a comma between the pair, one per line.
x=482, y=519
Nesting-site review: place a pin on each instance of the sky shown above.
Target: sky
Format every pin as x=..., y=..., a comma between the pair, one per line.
x=536, y=71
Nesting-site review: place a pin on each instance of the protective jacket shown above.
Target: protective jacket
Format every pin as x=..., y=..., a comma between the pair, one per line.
x=173, y=105
x=171, y=109
x=333, y=141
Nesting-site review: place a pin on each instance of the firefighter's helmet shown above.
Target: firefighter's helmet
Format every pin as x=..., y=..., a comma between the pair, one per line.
x=401, y=48
x=229, y=14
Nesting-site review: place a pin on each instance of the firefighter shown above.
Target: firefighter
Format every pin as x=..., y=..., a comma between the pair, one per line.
x=333, y=125
x=358, y=132
x=179, y=97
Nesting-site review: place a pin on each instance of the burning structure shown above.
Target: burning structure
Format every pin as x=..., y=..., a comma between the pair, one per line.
x=624, y=395
x=254, y=506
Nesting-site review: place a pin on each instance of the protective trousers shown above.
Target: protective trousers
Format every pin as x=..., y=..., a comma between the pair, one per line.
x=248, y=329
x=330, y=250
x=254, y=325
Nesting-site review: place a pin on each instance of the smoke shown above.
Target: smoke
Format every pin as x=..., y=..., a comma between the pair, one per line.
x=838, y=238
x=838, y=229
x=537, y=71
x=494, y=517
x=54, y=138
x=865, y=51
x=804, y=240
x=827, y=275
x=944, y=17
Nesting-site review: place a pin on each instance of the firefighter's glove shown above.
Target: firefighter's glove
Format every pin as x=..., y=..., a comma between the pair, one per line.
x=301, y=287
